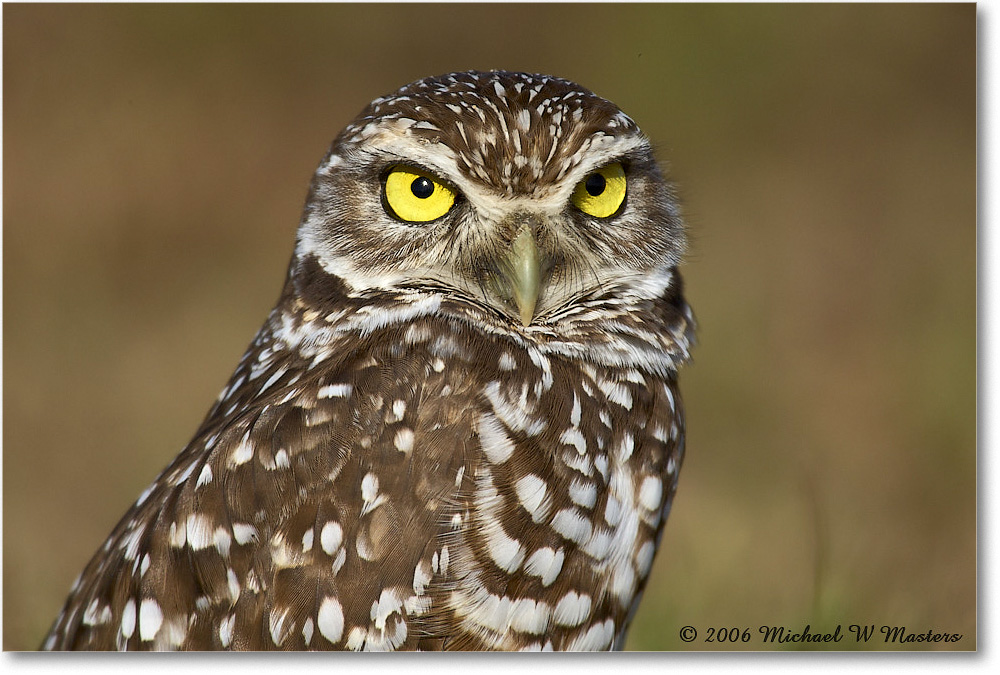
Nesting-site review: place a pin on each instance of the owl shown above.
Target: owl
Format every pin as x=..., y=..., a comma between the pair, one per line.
x=459, y=428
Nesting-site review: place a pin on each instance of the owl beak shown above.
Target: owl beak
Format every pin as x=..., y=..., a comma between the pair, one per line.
x=523, y=272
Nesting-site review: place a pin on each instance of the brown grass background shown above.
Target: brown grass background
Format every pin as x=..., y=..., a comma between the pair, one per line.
x=155, y=163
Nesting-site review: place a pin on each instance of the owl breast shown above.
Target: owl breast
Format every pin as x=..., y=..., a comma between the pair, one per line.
x=508, y=499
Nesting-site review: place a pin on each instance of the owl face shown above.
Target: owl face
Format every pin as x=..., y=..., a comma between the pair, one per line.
x=520, y=194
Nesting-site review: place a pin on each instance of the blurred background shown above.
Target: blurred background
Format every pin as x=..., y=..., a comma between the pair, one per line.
x=156, y=160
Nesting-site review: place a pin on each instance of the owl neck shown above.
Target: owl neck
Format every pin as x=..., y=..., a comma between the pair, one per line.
x=318, y=311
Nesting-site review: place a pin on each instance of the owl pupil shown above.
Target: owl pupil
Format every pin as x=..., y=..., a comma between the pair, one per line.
x=422, y=188
x=595, y=184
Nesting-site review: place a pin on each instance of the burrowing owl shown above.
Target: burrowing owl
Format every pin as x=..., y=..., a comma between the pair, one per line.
x=459, y=428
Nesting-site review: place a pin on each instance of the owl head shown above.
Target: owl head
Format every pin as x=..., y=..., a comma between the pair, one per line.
x=523, y=195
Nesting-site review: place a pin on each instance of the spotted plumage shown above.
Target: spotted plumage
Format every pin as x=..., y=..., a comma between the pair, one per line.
x=459, y=428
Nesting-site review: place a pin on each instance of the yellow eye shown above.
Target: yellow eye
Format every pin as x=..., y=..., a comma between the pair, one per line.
x=416, y=196
x=602, y=192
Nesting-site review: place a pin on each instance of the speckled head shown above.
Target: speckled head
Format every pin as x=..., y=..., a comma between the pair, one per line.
x=517, y=193
x=516, y=133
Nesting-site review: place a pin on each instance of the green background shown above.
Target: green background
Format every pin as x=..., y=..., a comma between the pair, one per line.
x=156, y=160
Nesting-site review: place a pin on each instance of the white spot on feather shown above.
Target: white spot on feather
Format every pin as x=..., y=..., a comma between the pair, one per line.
x=242, y=453
x=583, y=493
x=529, y=616
x=233, y=585
x=517, y=415
x=93, y=617
x=617, y=393
x=507, y=362
x=226, y=630
x=572, y=436
x=421, y=577
x=132, y=541
x=307, y=630
x=399, y=408
x=524, y=119
x=331, y=537
x=244, y=533
x=276, y=625
x=626, y=447
x=599, y=545
x=531, y=491
x=572, y=609
x=339, y=561
x=200, y=533
x=505, y=551
x=128, y=619
x=150, y=619
x=387, y=604
x=623, y=583
x=644, y=558
x=650, y=493
x=330, y=619
x=271, y=380
x=545, y=563
x=369, y=487
x=404, y=440
x=356, y=638
x=572, y=525
x=496, y=444
x=205, y=477
x=335, y=391
x=598, y=637
x=281, y=459
x=222, y=540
